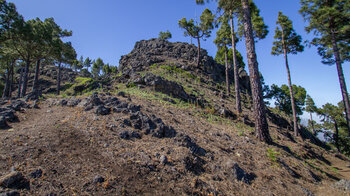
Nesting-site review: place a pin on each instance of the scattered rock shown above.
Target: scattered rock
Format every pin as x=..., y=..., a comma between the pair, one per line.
x=122, y=105
x=62, y=102
x=102, y=110
x=135, y=135
x=13, y=179
x=125, y=135
x=121, y=94
x=36, y=104
x=10, y=193
x=3, y=123
x=227, y=113
x=238, y=173
x=134, y=108
x=127, y=122
x=98, y=179
x=307, y=192
x=194, y=165
x=186, y=141
x=343, y=185
x=111, y=101
x=163, y=160
x=73, y=102
x=162, y=85
x=8, y=114
x=36, y=174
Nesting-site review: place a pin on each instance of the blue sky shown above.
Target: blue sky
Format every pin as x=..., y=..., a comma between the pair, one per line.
x=110, y=28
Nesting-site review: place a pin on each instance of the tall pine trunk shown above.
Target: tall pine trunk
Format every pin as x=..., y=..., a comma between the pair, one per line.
x=235, y=67
x=227, y=74
x=36, y=77
x=7, y=82
x=295, y=123
x=199, y=51
x=11, y=81
x=20, y=83
x=343, y=88
x=261, y=126
x=59, y=79
x=25, y=79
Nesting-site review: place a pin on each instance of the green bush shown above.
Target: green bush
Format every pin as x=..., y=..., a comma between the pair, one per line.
x=81, y=85
x=273, y=155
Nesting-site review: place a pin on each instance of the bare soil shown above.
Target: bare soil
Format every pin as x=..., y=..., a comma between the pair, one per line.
x=73, y=147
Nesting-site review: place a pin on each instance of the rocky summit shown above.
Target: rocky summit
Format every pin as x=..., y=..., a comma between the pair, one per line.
x=159, y=126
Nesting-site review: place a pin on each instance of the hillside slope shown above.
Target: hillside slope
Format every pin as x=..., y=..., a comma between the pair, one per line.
x=162, y=127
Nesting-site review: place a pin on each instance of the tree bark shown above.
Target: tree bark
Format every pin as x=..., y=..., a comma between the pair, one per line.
x=235, y=68
x=341, y=77
x=11, y=81
x=226, y=73
x=25, y=79
x=59, y=79
x=261, y=126
x=7, y=81
x=295, y=123
x=36, y=77
x=336, y=137
x=199, y=51
x=20, y=83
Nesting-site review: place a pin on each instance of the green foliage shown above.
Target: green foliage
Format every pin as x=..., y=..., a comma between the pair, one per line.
x=328, y=21
x=87, y=63
x=174, y=70
x=97, y=67
x=283, y=100
x=165, y=35
x=81, y=85
x=333, y=119
x=223, y=35
x=130, y=85
x=201, y=30
x=286, y=37
x=260, y=29
x=273, y=156
x=220, y=57
x=310, y=105
x=109, y=69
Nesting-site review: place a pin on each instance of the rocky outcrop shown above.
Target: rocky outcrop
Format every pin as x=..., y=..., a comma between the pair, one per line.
x=179, y=54
x=67, y=75
x=159, y=84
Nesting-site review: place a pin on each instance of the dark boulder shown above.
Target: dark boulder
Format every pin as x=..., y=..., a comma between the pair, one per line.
x=102, y=110
x=234, y=170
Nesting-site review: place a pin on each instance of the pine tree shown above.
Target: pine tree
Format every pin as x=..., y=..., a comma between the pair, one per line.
x=311, y=108
x=46, y=32
x=329, y=21
x=198, y=31
x=253, y=27
x=260, y=29
x=287, y=42
x=165, y=35
x=62, y=53
x=97, y=67
x=87, y=63
x=331, y=117
x=220, y=58
x=261, y=126
x=232, y=8
x=223, y=39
